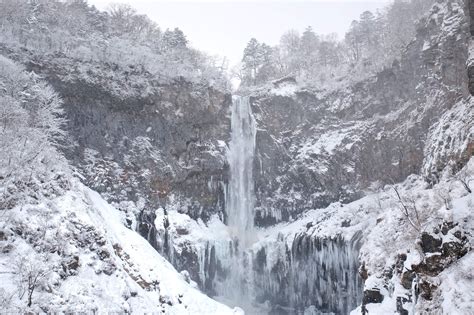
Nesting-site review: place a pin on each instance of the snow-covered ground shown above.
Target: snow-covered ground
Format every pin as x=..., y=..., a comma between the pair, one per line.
x=86, y=260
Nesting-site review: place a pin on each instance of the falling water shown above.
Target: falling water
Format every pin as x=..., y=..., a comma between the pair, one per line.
x=240, y=202
x=237, y=286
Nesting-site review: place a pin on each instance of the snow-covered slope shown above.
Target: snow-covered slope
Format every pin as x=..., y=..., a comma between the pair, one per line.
x=85, y=260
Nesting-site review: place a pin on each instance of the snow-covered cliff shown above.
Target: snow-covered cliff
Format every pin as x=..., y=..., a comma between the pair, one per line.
x=315, y=147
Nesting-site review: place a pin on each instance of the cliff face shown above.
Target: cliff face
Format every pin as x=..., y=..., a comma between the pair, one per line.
x=317, y=147
x=140, y=142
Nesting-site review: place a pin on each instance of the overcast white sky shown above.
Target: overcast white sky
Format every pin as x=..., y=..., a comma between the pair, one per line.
x=223, y=27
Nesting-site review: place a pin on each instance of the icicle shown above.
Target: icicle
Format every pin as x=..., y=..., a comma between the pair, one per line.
x=414, y=293
x=322, y=272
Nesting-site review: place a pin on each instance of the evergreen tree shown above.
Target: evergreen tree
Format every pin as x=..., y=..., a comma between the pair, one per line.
x=252, y=60
x=308, y=48
x=173, y=39
x=267, y=68
x=309, y=41
x=354, y=42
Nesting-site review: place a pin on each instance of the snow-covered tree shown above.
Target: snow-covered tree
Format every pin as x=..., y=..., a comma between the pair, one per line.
x=174, y=39
x=252, y=59
x=31, y=126
x=309, y=46
x=289, y=49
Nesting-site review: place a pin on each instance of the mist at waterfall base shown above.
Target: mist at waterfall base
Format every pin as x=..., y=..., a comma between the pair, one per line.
x=311, y=276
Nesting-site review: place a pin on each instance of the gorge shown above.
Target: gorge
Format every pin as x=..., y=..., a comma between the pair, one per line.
x=336, y=179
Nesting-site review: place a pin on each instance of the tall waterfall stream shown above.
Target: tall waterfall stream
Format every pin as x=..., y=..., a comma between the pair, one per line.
x=240, y=201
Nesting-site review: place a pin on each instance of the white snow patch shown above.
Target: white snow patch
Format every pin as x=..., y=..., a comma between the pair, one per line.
x=284, y=90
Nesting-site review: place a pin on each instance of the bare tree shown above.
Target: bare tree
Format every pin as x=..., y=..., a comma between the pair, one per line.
x=444, y=194
x=465, y=178
x=408, y=208
x=30, y=116
x=30, y=275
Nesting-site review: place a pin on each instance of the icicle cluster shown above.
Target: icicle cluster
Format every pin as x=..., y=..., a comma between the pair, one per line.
x=319, y=272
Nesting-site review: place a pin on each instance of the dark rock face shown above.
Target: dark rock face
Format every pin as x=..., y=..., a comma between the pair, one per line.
x=441, y=252
x=160, y=152
x=427, y=288
x=470, y=71
x=372, y=296
x=430, y=243
x=400, y=305
x=70, y=266
x=407, y=279
x=470, y=5
x=317, y=147
x=470, y=64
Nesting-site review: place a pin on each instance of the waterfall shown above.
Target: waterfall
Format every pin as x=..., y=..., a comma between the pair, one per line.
x=240, y=202
x=237, y=286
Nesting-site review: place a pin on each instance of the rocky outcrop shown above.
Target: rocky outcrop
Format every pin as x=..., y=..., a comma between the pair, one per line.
x=445, y=245
x=450, y=141
x=416, y=277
